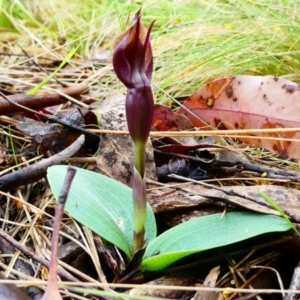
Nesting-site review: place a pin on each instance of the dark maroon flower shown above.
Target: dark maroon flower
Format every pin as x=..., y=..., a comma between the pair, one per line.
x=133, y=58
x=133, y=64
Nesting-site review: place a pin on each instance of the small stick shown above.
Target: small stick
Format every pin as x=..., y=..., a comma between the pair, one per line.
x=37, y=170
x=30, y=254
x=52, y=291
x=41, y=99
x=41, y=68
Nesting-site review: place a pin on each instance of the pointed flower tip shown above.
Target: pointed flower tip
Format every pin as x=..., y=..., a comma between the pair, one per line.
x=132, y=59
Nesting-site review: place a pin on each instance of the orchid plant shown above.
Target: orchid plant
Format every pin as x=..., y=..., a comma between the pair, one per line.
x=133, y=64
x=122, y=215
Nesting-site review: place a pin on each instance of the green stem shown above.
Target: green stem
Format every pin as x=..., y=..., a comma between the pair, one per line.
x=139, y=157
x=139, y=197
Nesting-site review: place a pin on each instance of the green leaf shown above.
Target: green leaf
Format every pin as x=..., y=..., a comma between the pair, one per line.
x=206, y=233
x=102, y=204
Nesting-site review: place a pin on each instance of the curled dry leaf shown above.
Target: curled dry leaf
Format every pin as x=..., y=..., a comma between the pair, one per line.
x=249, y=102
x=210, y=281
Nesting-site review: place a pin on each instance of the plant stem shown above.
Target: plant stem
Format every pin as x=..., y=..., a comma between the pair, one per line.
x=139, y=197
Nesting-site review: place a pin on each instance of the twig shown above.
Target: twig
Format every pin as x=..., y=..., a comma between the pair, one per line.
x=52, y=291
x=41, y=68
x=213, y=132
x=20, y=102
x=30, y=254
x=271, y=172
x=34, y=172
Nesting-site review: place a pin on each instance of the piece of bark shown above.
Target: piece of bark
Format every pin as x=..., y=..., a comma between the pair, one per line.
x=39, y=100
x=9, y=291
x=247, y=193
x=36, y=171
x=69, y=252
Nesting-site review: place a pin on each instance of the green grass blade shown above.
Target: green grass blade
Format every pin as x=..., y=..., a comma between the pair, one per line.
x=48, y=78
x=18, y=4
x=12, y=145
x=206, y=233
x=278, y=208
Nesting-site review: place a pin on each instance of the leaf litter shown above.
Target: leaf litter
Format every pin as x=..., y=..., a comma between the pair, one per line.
x=252, y=179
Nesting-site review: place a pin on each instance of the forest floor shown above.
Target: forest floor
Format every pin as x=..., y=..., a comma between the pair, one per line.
x=69, y=43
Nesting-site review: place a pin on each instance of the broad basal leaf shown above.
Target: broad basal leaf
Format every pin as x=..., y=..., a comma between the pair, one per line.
x=206, y=233
x=101, y=204
x=249, y=102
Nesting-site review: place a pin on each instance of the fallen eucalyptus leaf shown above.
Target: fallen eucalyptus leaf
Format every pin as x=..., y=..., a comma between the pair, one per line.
x=249, y=102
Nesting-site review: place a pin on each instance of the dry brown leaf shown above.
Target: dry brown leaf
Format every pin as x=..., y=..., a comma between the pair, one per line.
x=210, y=281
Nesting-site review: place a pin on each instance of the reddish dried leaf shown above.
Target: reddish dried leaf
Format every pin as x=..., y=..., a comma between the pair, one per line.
x=165, y=119
x=249, y=102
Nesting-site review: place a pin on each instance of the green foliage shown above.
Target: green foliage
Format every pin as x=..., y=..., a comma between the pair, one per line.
x=192, y=44
x=101, y=204
x=6, y=24
x=105, y=206
x=21, y=11
x=206, y=233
